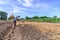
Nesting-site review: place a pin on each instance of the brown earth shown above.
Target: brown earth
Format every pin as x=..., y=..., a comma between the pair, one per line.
x=30, y=31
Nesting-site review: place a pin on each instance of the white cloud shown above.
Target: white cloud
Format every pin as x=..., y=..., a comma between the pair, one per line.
x=1, y=2
x=29, y=3
x=37, y=7
x=26, y=3
x=19, y=1
x=40, y=6
x=15, y=10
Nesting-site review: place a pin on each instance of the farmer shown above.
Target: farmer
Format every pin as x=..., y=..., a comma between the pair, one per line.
x=14, y=21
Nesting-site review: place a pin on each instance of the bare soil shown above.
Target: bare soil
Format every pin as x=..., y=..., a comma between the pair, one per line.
x=30, y=31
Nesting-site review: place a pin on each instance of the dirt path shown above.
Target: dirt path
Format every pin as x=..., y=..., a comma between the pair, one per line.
x=17, y=34
x=14, y=34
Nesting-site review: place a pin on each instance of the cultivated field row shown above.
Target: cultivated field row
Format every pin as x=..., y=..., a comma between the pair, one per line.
x=4, y=28
x=52, y=30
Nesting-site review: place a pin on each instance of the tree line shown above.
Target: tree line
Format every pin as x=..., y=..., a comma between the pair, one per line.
x=43, y=19
x=3, y=16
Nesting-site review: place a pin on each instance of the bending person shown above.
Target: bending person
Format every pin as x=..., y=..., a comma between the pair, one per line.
x=14, y=21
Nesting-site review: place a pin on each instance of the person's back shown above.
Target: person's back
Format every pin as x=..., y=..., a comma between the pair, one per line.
x=14, y=21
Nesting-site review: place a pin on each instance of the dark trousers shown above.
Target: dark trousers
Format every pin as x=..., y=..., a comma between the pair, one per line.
x=14, y=23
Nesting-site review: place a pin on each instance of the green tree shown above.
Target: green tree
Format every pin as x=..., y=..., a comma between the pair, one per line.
x=27, y=17
x=3, y=15
x=35, y=17
x=43, y=17
x=55, y=18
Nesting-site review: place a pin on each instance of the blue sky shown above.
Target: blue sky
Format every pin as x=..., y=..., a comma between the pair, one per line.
x=31, y=7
